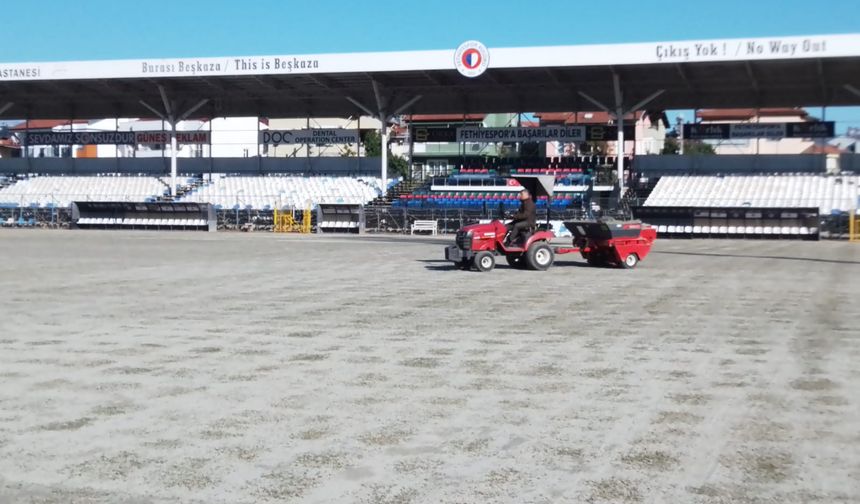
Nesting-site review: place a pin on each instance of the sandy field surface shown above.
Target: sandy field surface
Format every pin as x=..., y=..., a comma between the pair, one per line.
x=141, y=367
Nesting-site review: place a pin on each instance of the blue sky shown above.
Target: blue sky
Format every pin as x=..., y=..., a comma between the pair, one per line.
x=98, y=29
x=51, y=30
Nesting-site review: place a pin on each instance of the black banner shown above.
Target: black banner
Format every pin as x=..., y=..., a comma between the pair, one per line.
x=600, y=133
x=593, y=133
x=707, y=131
x=423, y=134
x=818, y=129
x=821, y=129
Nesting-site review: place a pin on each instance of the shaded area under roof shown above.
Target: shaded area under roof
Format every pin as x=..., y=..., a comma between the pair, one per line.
x=524, y=80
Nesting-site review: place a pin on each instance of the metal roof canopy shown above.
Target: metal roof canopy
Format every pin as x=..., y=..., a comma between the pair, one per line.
x=537, y=185
x=779, y=71
x=818, y=70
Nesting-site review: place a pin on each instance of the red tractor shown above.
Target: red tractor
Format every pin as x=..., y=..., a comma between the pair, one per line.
x=477, y=245
x=601, y=243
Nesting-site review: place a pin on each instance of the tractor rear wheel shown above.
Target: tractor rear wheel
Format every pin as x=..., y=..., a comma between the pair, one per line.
x=539, y=256
x=484, y=261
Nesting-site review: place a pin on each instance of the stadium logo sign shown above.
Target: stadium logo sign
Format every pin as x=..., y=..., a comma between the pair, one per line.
x=471, y=59
x=312, y=136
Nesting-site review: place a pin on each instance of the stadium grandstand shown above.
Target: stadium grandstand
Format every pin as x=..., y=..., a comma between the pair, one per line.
x=828, y=193
x=593, y=117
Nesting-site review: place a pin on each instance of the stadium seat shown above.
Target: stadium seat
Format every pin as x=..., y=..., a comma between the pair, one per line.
x=826, y=192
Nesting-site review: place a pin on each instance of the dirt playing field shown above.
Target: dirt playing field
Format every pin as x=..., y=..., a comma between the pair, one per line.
x=240, y=368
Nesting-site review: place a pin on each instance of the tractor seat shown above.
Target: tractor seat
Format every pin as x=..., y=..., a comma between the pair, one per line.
x=524, y=237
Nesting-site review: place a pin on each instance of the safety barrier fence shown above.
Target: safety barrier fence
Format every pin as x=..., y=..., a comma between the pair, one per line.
x=376, y=219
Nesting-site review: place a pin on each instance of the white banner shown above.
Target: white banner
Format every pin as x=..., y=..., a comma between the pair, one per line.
x=542, y=134
x=749, y=49
x=314, y=136
x=163, y=137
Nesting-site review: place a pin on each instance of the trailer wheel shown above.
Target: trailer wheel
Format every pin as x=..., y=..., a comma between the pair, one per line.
x=484, y=261
x=630, y=261
x=515, y=261
x=539, y=256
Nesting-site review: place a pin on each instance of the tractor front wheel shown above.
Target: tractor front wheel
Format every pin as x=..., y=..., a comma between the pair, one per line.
x=484, y=261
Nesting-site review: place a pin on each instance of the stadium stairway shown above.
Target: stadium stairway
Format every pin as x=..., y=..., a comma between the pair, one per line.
x=402, y=188
x=166, y=185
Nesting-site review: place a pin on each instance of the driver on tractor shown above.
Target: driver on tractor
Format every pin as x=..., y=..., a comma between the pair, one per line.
x=524, y=220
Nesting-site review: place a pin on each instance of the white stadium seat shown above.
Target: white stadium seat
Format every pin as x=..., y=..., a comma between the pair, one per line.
x=258, y=192
x=826, y=192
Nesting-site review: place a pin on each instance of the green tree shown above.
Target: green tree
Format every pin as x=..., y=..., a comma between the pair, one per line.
x=691, y=147
x=670, y=146
x=373, y=148
x=398, y=165
x=372, y=144
x=695, y=147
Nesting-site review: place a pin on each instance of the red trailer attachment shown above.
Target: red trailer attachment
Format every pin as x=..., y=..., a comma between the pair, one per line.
x=610, y=242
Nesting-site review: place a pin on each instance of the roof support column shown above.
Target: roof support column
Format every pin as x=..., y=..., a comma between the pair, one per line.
x=619, y=121
x=618, y=114
x=382, y=108
x=170, y=115
x=383, y=114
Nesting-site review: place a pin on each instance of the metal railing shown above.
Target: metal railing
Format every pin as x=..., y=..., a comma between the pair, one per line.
x=377, y=219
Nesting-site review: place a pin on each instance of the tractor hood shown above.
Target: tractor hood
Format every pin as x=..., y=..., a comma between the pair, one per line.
x=485, y=229
x=537, y=185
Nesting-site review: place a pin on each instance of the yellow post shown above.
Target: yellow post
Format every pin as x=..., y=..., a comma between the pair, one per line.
x=853, y=226
x=306, y=221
